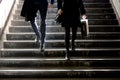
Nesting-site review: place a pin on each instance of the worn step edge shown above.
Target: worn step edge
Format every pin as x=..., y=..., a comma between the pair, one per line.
x=59, y=26
x=63, y=33
x=57, y=59
x=58, y=70
x=55, y=41
x=63, y=49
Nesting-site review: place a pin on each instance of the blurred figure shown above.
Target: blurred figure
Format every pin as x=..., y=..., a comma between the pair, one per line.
x=70, y=11
x=29, y=11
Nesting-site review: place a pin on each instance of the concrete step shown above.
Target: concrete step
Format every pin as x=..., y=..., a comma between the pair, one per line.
x=52, y=22
x=59, y=73
x=89, y=16
x=86, y=5
x=93, y=1
x=61, y=44
x=96, y=5
x=61, y=35
x=60, y=52
x=51, y=63
x=58, y=28
x=88, y=10
x=96, y=1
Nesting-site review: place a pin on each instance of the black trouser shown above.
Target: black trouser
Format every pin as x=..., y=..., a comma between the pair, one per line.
x=67, y=37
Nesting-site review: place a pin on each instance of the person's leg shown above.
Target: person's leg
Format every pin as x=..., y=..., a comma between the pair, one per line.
x=74, y=32
x=34, y=26
x=67, y=40
x=43, y=12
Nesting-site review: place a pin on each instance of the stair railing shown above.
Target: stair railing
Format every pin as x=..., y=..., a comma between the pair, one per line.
x=116, y=7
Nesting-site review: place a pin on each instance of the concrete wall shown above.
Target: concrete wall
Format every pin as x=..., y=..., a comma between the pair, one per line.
x=5, y=7
x=116, y=6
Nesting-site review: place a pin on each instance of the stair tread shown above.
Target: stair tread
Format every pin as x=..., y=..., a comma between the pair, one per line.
x=57, y=59
x=55, y=70
x=22, y=20
x=59, y=26
x=61, y=49
x=64, y=33
x=54, y=41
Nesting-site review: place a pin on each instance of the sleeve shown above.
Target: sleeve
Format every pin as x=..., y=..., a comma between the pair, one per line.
x=59, y=2
x=82, y=9
x=52, y=1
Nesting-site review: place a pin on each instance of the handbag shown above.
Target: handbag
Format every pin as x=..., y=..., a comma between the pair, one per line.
x=59, y=18
x=84, y=28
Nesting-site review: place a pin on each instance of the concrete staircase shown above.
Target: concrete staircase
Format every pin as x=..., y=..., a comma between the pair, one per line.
x=96, y=58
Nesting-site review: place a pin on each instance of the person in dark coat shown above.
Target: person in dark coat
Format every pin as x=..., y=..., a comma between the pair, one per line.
x=29, y=11
x=70, y=11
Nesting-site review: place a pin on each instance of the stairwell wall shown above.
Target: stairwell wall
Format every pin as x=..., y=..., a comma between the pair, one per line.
x=5, y=9
x=116, y=7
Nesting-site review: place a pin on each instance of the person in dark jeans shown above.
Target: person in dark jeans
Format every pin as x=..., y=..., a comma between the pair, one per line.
x=70, y=11
x=29, y=11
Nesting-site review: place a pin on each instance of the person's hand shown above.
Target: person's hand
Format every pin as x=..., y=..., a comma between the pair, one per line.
x=51, y=6
x=84, y=16
x=60, y=11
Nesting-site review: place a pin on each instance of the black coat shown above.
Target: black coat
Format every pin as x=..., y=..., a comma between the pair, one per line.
x=29, y=9
x=71, y=12
x=26, y=9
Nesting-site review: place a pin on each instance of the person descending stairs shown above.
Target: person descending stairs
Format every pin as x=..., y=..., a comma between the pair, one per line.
x=96, y=57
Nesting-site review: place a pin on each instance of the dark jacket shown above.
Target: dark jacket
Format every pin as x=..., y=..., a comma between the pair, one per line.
x=25, y=8
x=71, y=12
x=28, y=8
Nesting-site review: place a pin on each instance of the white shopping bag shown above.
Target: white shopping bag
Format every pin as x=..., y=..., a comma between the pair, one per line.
x=85, y=27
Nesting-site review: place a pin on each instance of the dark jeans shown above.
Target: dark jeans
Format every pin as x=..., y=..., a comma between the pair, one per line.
x=42, y=29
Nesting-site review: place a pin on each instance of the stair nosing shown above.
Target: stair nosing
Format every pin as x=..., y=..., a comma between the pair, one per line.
x=56, y=70
x=53, y=19
x=61, y=49
x=64, y=33
x=59, y=26
x=57, y=59
x=54, y=41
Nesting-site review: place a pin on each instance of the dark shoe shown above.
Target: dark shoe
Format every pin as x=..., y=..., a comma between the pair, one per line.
x=42, y=47
x=37, y=40
x=73, y=48
x=42, y=51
